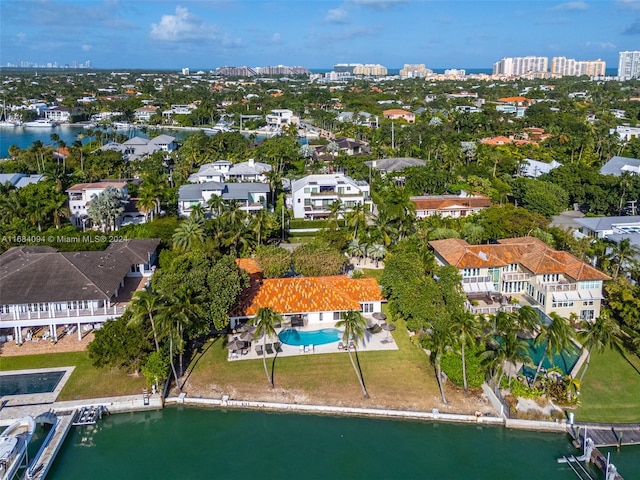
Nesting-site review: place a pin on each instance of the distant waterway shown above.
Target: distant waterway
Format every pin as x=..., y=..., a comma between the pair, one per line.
x=190, y=443
x=23, y=137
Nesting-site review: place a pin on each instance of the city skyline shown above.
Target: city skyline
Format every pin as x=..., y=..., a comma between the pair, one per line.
x=207, y=35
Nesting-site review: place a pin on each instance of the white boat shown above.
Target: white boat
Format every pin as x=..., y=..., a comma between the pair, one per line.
x=4, y=120
x=14, y=441
x=122, y=125
x=40, y=123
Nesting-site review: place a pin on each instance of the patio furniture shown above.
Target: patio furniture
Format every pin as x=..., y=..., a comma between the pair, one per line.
x=311, y=349
x=374, y=329
x=259, y=349
x=340, y=346
x=306, y=349
x=352, y=346
x=277, y=347
x=301, y=348
x=269, y=348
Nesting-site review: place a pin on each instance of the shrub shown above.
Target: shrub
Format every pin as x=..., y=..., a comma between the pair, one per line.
x=452, y=365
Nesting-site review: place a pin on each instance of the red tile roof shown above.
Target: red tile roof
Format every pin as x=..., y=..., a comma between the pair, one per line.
x=530, y=252
x=83, y=186
x=249, y=265
x=309, y=294
x=449, y=203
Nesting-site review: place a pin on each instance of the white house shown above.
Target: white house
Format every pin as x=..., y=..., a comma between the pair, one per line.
x=144, y=114
x=211, y=172
x=58, y=114
x=625, y=132
x=535, y=168
x=52, y=289
x=620, y=165
x=603, y=227
x=307, y=301
x=313, y=195
x=252, y=196
x=280, y=118
x=137, y=147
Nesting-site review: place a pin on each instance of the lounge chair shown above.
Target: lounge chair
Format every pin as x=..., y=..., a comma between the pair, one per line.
x=269, y=348
x=259, y=349
x=340, y=346
x=277, y=347
x=311, y=349
x=301, y=348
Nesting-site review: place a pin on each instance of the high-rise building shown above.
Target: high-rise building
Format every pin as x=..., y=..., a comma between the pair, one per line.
x=370, y=70
x=414, y=71
x=571, y=67
x=629, y=65
x=520, y=66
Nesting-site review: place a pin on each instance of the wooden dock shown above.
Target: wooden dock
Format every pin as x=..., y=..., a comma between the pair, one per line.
x=43, y=461
x=608, y=435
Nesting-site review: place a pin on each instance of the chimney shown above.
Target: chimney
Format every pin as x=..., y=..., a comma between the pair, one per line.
x=252, y=162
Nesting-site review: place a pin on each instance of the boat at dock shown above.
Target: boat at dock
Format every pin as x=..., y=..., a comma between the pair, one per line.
x=14, y=441
x=40, y=123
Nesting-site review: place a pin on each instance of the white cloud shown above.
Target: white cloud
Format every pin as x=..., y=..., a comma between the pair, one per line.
x=337, y=15
x=275, y=38
x=570, y=7
x=184, y=27
x=602, y=45
x=179, y=27
x=86, y=47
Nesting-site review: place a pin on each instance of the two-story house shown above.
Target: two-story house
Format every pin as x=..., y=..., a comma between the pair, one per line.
x=58, y=114
x=399, y=114
x=144, y=114
x=81, y=195
x=313, y=195
x=280, y=118
x=523, y=270
x=251, y=196
x=53, y=289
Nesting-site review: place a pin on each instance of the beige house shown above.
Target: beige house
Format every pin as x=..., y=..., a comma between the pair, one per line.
x=523, y=271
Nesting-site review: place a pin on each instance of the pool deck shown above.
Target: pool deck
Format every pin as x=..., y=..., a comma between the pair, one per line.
x=35, y=398
x=372, y=342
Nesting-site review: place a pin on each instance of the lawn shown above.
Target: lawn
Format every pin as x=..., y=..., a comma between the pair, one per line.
x=401, y=379
x=86, y=381
x=374, y=273
x=610, y=390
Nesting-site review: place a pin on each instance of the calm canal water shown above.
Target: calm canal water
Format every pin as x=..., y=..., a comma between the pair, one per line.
x=189, y=443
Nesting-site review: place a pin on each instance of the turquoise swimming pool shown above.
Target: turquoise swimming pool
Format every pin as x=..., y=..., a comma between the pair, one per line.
x=313, y=337
x=565, y=361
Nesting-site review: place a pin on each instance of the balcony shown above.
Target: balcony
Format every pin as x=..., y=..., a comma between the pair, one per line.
x=558, y=287
x=114, y=311
x=515, y=276
x=486, y=279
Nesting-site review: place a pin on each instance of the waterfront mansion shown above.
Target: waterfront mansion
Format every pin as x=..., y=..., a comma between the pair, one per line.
x=46, y=288
x=523, y=271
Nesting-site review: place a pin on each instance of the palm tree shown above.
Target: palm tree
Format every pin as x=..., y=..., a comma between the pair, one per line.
x=438, y=342
x=177, y=312
x=265, y=321
x=601, y=334
x=556, y=338
x=189, y=233
x=335, y=211
x=377, y=252
x=145, y=305
x=357, y=217
x=466, y=330
x=215, y=205
x=623, y=255
x=354, y=325
x=356, y=249
x=510, y=348
x=260, y=222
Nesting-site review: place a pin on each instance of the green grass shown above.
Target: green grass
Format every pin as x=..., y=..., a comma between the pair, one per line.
x=610, y=390
x=374, y=273
x=395, y=379
x=86, y=381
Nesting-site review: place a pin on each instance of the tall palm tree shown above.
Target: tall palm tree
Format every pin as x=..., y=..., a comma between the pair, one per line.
x=189, y=233
x=357, y=217
x=623, y=256
x=335, y=212
x=601, y=334
x=145, y=305
x=260, y=222
x=510, y=348
x=215, y=205
x=438, y=342
x=354, y=325
x=466, y=330
x=556, y=338
x=265, y=321
x=356, y=249
x=177, y=312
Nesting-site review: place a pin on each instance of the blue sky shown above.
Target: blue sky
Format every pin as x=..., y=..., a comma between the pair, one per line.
x=312, y=33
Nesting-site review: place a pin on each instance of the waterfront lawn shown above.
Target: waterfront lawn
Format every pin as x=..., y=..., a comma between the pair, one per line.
x=401, y=379
x=86, y=381
x=610, y=390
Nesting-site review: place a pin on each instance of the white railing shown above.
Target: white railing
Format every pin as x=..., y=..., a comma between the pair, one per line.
x=75, y=313
x=558, y=287
x=510, y=277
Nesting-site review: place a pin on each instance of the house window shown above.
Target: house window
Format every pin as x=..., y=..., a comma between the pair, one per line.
x=587, y=315
x=367, y=307
x=588, y=285
x=307, y=190
x=300, y=201
x=587, y=303
x=471, y=272
x=337, y=316
x=550, y=277
x=563, y=304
